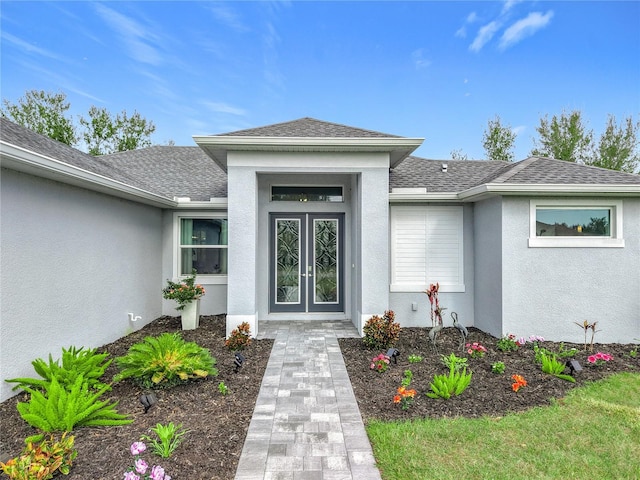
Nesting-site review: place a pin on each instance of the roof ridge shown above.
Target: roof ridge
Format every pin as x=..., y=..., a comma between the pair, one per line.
x=513, y=169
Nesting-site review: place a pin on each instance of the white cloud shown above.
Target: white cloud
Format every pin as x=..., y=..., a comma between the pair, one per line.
x=135, y=36
x=519, y=129
x=485, y=34
x=524, y=28
x=462, y=31
x=29, y=48
x=418, y=59
x=219, y=107
x=228, y=17
x=509, y=4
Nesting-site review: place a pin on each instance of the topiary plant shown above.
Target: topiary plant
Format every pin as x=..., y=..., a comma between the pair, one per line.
x=381, y=332
x=42, y=460
x=165, y=361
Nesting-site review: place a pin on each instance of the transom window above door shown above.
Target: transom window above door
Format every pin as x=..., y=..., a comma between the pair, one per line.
x=306, y=194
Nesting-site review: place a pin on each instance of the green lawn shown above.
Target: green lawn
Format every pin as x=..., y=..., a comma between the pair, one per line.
x=593, y=433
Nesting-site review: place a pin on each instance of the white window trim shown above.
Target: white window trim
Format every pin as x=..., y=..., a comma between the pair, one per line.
x=444, y=287
x=615, y=240
x=205, y=279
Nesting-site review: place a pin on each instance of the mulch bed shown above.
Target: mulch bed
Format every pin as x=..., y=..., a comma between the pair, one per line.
x=218, y=424
x=488, y=393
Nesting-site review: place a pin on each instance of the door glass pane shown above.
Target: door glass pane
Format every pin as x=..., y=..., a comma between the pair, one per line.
x=287, y=261
x=325, y=234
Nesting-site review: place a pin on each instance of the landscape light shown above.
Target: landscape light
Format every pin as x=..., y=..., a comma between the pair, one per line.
x=393, y=353
x=148, y=400
x=239, y=360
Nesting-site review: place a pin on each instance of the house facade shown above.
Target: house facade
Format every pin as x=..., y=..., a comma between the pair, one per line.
x=307, y=220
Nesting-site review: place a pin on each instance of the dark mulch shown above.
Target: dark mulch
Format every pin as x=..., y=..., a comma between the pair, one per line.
x=488, y=394
x=217, y=424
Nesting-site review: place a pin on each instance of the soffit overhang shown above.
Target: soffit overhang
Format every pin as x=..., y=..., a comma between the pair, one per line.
x=218, y=146
x=22, y=160
x=482, y=192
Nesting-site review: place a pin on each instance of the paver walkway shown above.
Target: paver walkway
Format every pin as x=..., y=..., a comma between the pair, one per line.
x=306, y=424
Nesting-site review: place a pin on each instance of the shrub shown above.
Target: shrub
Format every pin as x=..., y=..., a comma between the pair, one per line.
x=497, y=367
x=381, y=332
x=379, y=363
x=56, y=409
x=552, y=366
x=507, y=344
x=184, y=292
x=42, y=460
x=414, y=358
x=75, y=362
x=165, y=361
x=444, y=386
x=454, y=361
x=168, y=438
x=240, y=337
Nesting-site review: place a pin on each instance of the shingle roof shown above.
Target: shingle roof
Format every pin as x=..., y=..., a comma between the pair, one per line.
x=464, y=174
x=173, y=171
x=415, y=172
x=188, y=171
x=539, y=170
x=309, y=127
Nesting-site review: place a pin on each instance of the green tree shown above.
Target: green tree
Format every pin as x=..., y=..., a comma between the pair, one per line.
x=498, y=141
x=44, y=113
x=618, y=146
x=563, y=138
x=103, y=133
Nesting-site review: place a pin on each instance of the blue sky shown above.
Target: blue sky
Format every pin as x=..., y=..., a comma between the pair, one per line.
x=438, y=70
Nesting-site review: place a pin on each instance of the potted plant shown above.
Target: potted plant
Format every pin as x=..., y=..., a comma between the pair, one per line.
x=187, y=294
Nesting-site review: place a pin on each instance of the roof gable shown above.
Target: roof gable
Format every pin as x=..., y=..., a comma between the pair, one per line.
x=309, y=127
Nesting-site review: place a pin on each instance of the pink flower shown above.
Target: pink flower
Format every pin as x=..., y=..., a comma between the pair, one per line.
x=137, y=448
x=157, y=473
x=141, y=466
x=521, y=341
x=592, y=359
x=131, y=476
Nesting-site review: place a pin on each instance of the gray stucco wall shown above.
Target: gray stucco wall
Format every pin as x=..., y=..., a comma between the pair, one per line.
x=487, y=239
x=546, y=290
x=459, y=302
x=74, y=263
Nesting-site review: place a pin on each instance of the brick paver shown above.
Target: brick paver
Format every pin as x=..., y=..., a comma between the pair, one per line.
x=306, y=424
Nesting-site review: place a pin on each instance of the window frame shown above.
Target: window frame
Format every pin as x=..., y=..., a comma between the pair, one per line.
x=303, y=186
x=457, y=212
x=212, y=278
x=614, y=240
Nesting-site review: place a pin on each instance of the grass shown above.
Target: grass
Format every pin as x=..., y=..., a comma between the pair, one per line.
x=592, y=433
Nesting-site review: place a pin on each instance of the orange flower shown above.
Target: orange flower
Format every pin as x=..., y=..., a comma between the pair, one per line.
x=397, y=399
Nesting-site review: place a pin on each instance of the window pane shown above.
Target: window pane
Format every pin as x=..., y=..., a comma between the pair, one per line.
x=306, y=194
x=573, y=222
x=203, y=231
x=207, y=261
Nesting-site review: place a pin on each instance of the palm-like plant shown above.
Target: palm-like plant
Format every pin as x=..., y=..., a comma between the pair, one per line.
x=165, y=361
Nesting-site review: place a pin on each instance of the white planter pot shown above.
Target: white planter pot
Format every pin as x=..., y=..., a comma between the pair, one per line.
x=191, y=315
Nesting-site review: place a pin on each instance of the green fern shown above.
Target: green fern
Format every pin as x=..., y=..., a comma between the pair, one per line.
x=165, y=361
x=75, y=362
x=552, y=366
x=445, y=386
x=58, y=409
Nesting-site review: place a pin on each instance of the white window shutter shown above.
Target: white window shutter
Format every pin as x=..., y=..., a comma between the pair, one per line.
x=427, y=247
